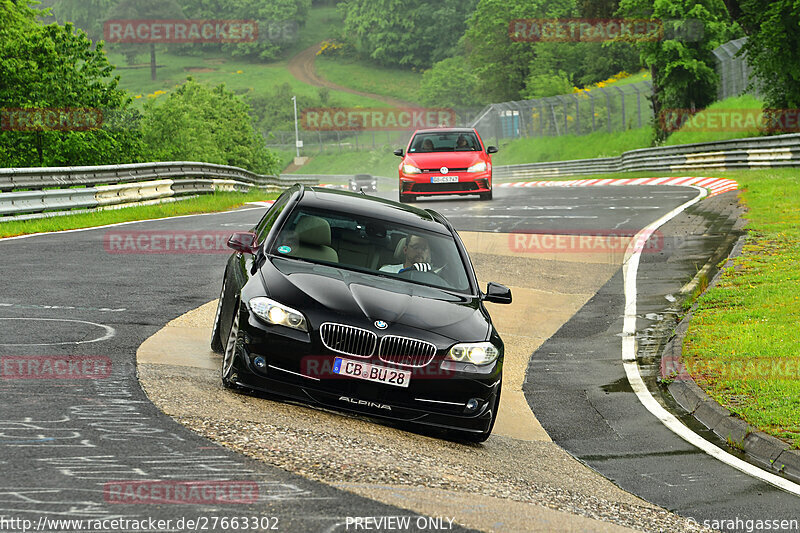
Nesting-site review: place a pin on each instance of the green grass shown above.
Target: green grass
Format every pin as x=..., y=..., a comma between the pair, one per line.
x=221, y=201
x=286, y=156
x=258, y=78
x=750, y=317
x=377, y=163
x=369, y=78
x=323, y=22
x=717, y=111
x=643, y=75
x=566, y=147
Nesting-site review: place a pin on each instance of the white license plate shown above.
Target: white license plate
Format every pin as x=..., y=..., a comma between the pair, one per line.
x=370, y=372
x=444, y=179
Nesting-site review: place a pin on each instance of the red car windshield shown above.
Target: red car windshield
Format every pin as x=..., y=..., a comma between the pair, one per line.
x=444, y=142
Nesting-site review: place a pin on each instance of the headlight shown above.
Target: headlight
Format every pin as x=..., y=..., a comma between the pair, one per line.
x=478, y=167
x=410, y=169
x=477, y=353
x=278, y=314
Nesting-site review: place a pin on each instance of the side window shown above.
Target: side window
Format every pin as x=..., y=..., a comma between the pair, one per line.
x=262, y=230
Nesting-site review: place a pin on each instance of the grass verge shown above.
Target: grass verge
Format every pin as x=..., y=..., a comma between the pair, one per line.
x=566, y=147
x=210, y=203
x=716, y=130
x=743, y=343
x=378, y=163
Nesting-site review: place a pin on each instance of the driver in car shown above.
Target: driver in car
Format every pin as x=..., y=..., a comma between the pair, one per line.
x=417, y=253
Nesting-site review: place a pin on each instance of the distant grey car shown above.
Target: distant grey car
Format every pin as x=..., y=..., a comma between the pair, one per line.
x=363, y=182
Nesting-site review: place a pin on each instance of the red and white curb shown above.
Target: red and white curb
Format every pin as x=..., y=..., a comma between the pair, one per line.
x=267, y=203
x=713, y=185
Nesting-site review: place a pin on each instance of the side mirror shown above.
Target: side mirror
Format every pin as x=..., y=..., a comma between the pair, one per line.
x=491, y=149
x=399, y=152
x=496, y=293
x=244, y=242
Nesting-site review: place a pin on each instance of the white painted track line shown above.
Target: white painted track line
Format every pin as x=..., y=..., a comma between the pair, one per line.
x=629, y=269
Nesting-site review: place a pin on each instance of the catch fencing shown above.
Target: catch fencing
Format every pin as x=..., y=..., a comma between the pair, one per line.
x=613, y=108
x=735, y=73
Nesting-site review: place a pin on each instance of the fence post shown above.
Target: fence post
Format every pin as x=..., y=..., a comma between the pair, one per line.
x=577, y=114
x=608, y=107
x=622, y=98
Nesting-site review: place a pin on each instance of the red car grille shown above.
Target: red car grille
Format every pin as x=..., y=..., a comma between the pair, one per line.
x=436, y=187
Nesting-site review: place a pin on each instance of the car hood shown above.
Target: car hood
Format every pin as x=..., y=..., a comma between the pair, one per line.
x=331, y=292
x=444, y=159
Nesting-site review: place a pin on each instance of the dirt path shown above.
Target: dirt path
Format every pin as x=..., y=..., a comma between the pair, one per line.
x=302, y=68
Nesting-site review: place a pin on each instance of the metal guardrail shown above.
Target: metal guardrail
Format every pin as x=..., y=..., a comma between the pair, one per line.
x=756, y=152
x=63, y=188
x=39, y=178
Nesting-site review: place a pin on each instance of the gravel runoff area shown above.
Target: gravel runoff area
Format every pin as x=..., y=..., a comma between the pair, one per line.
x=504, y=484
x=339, y=449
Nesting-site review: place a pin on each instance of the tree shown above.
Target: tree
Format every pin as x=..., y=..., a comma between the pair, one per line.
x=682, y=70
x=52, y=67
x=278, y=24
x=87, y=15
x=200, y=123
x=773, y=47
x=414, y=33
x=502, y=65
x=450, y=83
x=144, y=9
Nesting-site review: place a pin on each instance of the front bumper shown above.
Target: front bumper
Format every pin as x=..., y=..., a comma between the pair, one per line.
x=468, y=183
x=296, y=365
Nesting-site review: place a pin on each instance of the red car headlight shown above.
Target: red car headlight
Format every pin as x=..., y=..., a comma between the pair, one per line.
x=478, y=167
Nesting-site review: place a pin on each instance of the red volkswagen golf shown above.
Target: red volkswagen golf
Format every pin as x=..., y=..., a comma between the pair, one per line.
x=445, y=161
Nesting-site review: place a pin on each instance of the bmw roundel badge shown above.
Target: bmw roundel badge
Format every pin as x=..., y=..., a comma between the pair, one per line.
x=380, y=324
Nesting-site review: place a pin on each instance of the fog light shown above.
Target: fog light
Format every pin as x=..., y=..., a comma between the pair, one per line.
x=472, y=405
x=260, y=363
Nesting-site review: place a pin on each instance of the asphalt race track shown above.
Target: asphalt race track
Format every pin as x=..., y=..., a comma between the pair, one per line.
x=67, y=441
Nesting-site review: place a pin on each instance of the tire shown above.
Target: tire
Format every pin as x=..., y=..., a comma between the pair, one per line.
x=486, y=195
x=404, y=198
x=229, y=355
x=480, y=437
x=216, y=340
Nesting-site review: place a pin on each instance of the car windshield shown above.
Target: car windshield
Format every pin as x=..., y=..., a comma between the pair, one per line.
x=373, y=246
x=445, y=142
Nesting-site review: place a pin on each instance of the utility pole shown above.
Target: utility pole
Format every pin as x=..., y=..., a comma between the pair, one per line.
x=296, y=133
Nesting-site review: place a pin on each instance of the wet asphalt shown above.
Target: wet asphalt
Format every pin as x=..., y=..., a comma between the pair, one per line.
x=64, y=440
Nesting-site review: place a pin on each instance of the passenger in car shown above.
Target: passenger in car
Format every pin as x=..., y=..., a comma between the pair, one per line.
x=463, y=144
